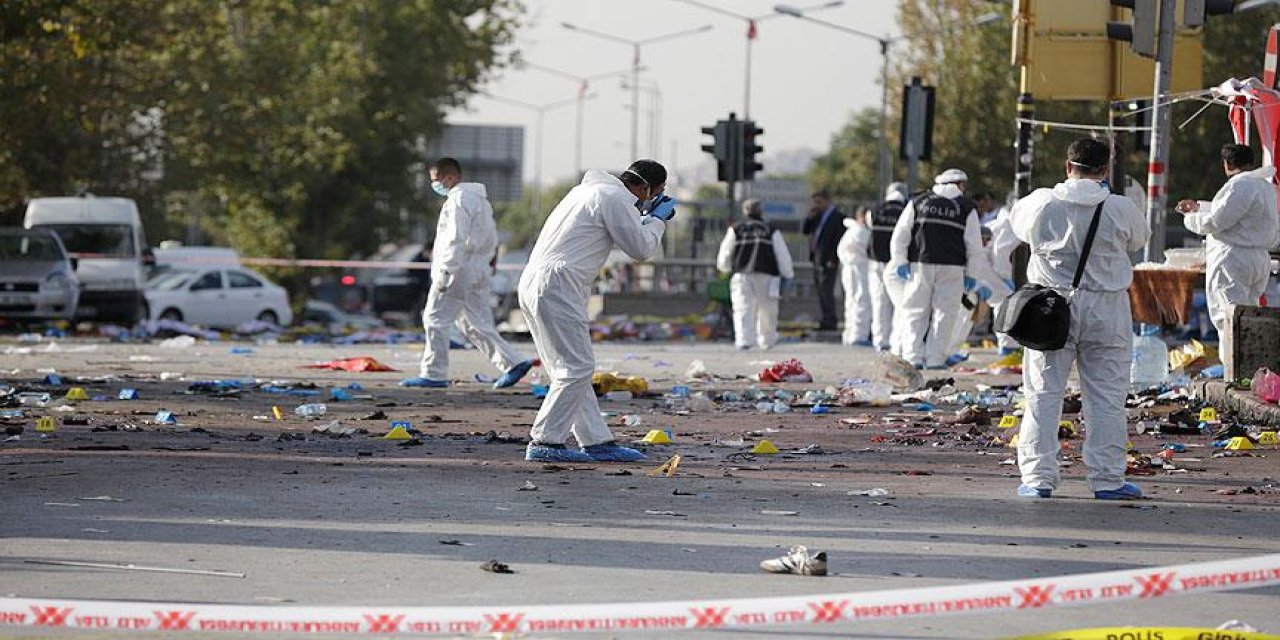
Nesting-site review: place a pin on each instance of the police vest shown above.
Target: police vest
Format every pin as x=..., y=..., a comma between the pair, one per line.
x=883, y=219
x=753, y=248
x=938, y=235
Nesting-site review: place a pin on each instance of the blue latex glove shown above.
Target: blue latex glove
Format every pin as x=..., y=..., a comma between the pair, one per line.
x=904, y=271
x=786, y=283
x=969, y=283
x=984, y=293
x=665, y=209
x=1009, y=283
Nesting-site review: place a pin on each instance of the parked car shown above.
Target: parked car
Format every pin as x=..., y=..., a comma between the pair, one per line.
x=217, y=298
x=37, y=279
x=105, y=235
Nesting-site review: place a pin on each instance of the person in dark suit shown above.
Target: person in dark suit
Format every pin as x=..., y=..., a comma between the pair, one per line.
x=825, y=226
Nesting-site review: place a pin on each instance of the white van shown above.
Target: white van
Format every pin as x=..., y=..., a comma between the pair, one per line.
x=105, y=235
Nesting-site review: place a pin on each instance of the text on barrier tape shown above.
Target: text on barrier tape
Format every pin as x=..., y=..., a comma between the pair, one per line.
x=1150, y=633
x=987, y=597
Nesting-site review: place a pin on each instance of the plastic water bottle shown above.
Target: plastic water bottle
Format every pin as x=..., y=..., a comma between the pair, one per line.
x=1150, y=364
x=309, y=410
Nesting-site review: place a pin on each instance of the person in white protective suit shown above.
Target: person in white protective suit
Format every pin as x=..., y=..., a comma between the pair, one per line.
x=855, y=259
x=993, y=293
x=884, y=217
x=461, y=263
x=936, y=251
x=1003, y=242
x=600, y=213
x=757, y=255
x=1242, y=224
x=1054, y=222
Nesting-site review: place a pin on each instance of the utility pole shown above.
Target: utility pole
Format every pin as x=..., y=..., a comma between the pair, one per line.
x=1156, y=168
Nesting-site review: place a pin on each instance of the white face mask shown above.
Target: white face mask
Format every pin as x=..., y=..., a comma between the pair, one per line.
x=439, y=188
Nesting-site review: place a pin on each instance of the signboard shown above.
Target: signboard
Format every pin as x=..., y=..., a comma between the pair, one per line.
x=782, y=198
x=1065, y=54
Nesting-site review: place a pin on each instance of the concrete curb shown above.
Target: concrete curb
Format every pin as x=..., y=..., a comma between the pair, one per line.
x=1242, y=403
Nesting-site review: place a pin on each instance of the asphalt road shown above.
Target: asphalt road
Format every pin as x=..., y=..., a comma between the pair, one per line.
x=314, y=520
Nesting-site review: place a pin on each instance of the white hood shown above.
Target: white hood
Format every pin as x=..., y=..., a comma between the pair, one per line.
x=1261, y=173
x=948, y=190
x=471, y=187
x=1081, y=191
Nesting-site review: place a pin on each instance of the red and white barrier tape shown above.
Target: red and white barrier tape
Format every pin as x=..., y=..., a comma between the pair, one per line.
x=990, y=597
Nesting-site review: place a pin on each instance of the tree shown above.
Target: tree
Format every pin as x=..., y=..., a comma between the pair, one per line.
x=848, y=169
x=294, y=127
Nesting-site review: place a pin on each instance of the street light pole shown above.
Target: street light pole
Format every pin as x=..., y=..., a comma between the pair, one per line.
x=635, y=45
x=541, y=110
x=583, y=83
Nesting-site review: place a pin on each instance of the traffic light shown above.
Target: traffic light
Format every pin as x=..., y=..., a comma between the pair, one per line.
x=750, y=149
x=1194, y=11
x=1141, y=33
x=722, y=149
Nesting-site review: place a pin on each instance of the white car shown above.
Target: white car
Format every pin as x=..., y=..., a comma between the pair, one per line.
x=217, y=297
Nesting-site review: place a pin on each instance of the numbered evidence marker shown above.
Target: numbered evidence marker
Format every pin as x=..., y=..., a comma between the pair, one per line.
x=46, y=424
x=1008, y=422
x=1208, y=414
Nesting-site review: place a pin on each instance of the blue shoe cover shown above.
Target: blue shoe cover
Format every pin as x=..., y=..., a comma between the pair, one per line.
x=1025, y=491
x=554, y=453
x=612, y=452
x=512, y=376
x=1127, y=491
x=956, y=358
x=424, y=382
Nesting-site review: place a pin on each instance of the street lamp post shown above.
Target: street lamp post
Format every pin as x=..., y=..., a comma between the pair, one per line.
x=541, y=110
x=751, y=38
x=884, y=168
x=635, y=45
x=583, y=84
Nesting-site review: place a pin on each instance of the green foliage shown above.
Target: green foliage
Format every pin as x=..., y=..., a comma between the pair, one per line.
x=848, y=169
x=522, y=221
x=295, y=128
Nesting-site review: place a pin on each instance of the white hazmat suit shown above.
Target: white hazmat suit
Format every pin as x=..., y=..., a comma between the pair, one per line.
x=466, y=240
x=929, y=302
x=576, y=239
x=1242, y=224
x=755, y=295
x=854, y=277
x=1054, y=222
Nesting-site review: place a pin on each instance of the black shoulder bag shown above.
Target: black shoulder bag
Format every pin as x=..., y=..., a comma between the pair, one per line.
x=1038, y=317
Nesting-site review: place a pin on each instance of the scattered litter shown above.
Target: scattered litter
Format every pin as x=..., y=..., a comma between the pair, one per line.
x=527, y=486
x=178, y=342
x=128, y=394
x=165, y=417
x=873, y=493
x=697, y=371
x=104, y=499
x=788, y=371
x=311, y=410
x=61, y=504
x=667, y=468
x=605, y=383
x=772, y=512
x=457, y=543
x=354, y=365
x=493, y=566
x=898, y=372
x=654, y=512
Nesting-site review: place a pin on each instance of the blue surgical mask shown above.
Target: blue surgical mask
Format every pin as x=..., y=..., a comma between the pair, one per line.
x=439, y=188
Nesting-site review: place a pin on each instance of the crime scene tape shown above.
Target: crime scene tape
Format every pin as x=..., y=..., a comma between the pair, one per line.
x=989, y=597
x=1151, y=633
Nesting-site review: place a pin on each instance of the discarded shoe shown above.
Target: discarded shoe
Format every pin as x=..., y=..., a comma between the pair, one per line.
x=1025, y=491
x=424, y=382
x=612, y=452
x=799, y=562
x=513, y=375
x=956, y=358
x=1230, y=431
x=1127, y=491
x=537, y=452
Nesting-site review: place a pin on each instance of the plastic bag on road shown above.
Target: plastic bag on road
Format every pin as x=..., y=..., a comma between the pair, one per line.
x=898, y=372
x=1266, y=385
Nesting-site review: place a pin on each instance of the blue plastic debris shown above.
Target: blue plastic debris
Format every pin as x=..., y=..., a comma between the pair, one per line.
x=241, y=351
x=53, y=379
x=166, y=417
x=680, y=391
x=540, y=390
x=339, y=394
x=818, y=409
x=128, y=394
